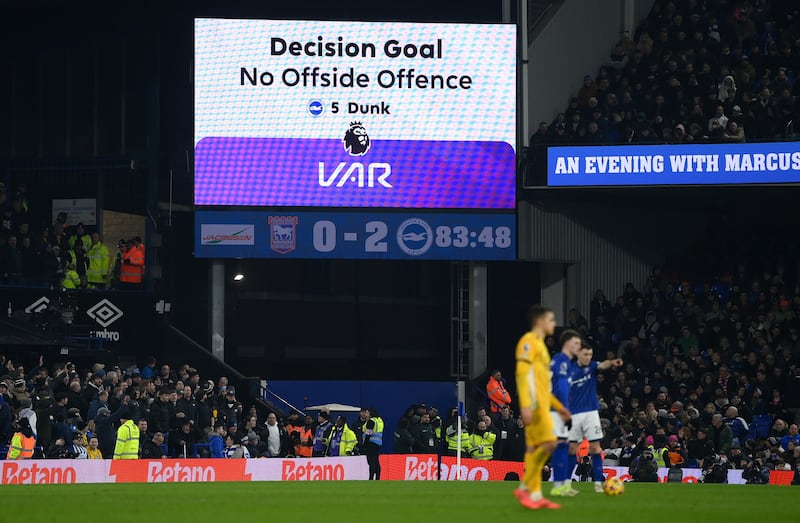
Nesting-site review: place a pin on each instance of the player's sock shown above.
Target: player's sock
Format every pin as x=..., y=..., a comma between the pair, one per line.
x=537, y=461
x=522, y=485
x=560, y=463
x=536, y=496
x=529, y=471
x=597, y=467
x=557, y=485
x=570, y=468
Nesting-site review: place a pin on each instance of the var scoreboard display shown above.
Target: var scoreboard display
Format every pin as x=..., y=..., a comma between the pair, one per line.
x=365, y=123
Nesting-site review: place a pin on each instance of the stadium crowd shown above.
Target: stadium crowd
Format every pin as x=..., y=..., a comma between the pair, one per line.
x=712, y=371
x=66, y=412
x=59, y=255
x=711, y=379
x=696, y=71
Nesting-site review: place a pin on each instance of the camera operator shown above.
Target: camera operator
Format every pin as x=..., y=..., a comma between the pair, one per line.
x=715, y=469
x=584, y=469
x=644, y=468
x=754, y=472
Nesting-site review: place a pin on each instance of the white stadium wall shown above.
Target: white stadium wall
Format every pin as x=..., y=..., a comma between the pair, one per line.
x=601, y=247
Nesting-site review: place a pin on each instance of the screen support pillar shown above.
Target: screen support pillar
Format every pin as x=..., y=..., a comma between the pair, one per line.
x=478, y=318
x=217, y=309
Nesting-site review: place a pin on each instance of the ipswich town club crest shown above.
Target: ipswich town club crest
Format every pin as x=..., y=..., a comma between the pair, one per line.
x=283, y=233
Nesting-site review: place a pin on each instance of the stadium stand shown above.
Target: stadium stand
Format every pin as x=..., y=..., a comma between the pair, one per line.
x=712, y=374
x=695, y=72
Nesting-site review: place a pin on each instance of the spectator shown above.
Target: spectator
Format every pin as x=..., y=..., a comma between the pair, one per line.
x=791, y=438
x=187, y=406
x=734, y=133
x=11, y=262
x=719, y=120
x=234, y=449
x=216, y=441
x=58, y=450
x=93, y=450
x=149, y=369
x=720, y=435
x=182, y=441
x=78, y=449
x=159, y=419
x=404, y=441
x=153, y=448
x=736, y=423
x=276, y=438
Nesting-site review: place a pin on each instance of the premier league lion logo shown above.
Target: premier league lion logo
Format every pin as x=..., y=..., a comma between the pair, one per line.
x=356, y=140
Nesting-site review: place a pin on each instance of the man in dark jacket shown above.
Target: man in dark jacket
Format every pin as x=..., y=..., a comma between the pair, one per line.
x=403, y=440
x=424, y=436
x=159, y=412
x=505, y=427
x=720, y=435
x=104, y=428
x=44, y=423
x=187, y=405
x=6, y=415
x=182, y=440
x=152, y=448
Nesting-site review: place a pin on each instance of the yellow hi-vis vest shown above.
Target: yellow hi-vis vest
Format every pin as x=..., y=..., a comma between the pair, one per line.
x=483, y=446
x=127, y=446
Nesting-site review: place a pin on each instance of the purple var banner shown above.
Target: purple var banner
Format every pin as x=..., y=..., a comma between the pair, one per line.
x=304, y=172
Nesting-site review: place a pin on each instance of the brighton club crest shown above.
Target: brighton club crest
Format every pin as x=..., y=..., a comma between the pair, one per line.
x=283, y=233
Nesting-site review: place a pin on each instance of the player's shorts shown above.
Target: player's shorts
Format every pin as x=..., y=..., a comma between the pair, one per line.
x=586, y=425
x=559, y=427
x=541, y=430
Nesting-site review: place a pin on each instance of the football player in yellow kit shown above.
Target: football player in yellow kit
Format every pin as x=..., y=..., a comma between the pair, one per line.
x=535, y=401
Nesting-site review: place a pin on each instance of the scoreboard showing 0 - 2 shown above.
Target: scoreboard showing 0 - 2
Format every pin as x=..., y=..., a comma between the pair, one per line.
x=368, y=122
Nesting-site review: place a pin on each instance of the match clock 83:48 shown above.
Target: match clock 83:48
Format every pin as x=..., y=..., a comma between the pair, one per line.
x=416, y=236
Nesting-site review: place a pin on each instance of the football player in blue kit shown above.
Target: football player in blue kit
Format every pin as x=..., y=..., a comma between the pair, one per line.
x=561, y=369
x=585, y=408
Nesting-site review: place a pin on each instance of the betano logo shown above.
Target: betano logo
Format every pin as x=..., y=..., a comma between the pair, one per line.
x=36, y=473
x=426, y=469
x=227, y=234
x=292, y=470
x=356, y=142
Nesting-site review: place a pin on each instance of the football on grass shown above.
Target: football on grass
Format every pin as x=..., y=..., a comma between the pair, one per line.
x=613, y=486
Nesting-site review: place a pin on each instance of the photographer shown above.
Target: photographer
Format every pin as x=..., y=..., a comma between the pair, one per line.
x=754, y=472
x=584, y=469
x=644, y=468
x=715, y=469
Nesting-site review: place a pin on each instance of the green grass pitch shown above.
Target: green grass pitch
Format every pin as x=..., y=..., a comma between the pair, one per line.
x=389, y=502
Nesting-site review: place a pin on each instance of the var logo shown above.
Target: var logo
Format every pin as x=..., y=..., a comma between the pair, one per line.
x=356, y=142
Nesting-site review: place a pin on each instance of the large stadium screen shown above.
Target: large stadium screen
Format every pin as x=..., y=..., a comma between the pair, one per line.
x=356, y=116
x=697, y=164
